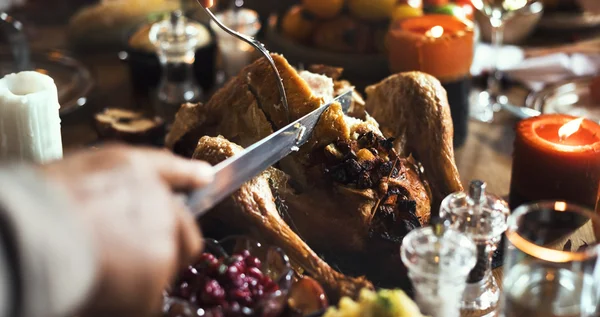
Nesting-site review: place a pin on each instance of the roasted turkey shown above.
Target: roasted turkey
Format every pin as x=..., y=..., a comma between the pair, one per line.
x=260, y=217
x=352, y=192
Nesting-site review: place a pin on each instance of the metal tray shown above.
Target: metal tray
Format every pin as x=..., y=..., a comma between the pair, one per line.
x=73, y=80
x=570, y=97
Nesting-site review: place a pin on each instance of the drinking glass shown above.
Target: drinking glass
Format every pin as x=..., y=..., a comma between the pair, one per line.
x=438, y=260
x=236, y=54
x=498, y=12
x=551, y=261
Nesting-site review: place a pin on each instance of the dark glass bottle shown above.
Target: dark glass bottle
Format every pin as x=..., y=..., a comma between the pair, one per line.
x=458, y=97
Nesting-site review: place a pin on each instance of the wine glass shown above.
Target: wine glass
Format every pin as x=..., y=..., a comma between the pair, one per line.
x=498, y=12
x=552, y=262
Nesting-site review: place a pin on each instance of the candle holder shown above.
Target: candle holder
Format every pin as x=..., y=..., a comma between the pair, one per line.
x=548, y=166
x=438, y=260
x=482, y=217
x=176, y=40
x=552, y=266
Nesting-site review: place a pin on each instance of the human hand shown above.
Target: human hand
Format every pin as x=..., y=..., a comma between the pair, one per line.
x=143, y=233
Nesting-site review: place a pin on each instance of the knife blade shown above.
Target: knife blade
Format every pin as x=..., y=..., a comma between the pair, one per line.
x=232, y=173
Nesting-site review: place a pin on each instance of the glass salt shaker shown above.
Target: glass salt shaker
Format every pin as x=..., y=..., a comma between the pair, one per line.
x=176, y=40
x=438, y=260
x=483, y=218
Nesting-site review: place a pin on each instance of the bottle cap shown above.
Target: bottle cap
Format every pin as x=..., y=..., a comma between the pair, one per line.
x=477, y=213
x=177, y=36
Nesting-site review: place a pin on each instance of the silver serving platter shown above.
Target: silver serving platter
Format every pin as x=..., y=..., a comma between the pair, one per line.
x=570, y=97
x=73, y=80
x=569, y=21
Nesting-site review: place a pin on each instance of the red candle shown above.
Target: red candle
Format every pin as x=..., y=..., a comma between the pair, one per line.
x=556, y=157
x=440, y=45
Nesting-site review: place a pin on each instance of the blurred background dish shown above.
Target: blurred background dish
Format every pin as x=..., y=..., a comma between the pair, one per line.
x=572, y=97
x=144, y=66
x=570, y=14
x=350, y=34
x=102, y=25
x=569, y=21
x=361, y=69
x=73, y=80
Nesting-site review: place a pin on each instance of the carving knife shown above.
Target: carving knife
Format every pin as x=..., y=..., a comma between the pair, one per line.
x=232, y=173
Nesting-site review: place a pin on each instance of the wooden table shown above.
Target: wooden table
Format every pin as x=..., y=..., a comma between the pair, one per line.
x=486, y=154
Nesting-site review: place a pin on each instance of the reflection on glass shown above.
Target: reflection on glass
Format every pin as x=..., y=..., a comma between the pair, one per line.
x=481, y=217
x=439, y=260
x=236, y=54
x=176, y=40
x=552, y=261
x=498, y=12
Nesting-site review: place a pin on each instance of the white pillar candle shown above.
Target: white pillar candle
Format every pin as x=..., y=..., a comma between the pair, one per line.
x=29, y=118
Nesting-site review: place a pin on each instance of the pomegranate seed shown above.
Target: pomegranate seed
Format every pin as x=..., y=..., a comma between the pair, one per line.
x=251, y=281
x=258, y=293
x=253, y=262
x=219, y=294
x=271, y=287
x=212, y=284
x=224, y=286
x=241, y=266
x=240, y=281
x=245, y=254
x=255, y=273
x=234, y=259
x=239, y=294
x=232, y=274
x=206, y=257
x=213, y=269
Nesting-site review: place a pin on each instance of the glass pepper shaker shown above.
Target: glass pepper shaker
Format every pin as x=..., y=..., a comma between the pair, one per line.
x=483, y=218
x=438, y=260
x=176, y=40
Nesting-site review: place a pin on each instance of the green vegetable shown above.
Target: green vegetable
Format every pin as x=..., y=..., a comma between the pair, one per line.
x=450, y=9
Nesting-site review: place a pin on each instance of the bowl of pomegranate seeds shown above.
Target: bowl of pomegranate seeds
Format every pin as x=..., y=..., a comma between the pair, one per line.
x=232, y=277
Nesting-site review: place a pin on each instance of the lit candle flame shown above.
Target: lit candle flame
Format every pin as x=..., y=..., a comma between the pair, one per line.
x=436, y=31
x=569, y=128
x=414, y=3
x=560, y=206
x=207, y=3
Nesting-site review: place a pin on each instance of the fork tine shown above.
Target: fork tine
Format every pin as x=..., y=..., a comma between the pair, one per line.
x=261, y=48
